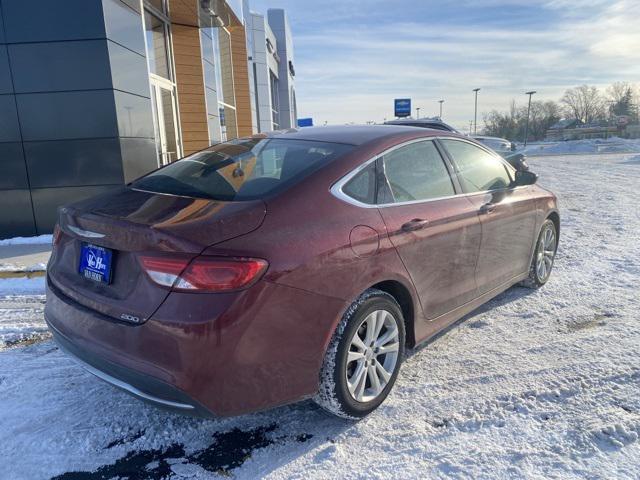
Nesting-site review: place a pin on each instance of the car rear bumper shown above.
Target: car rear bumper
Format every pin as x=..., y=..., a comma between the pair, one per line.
x=138, y=384
x=206, y=354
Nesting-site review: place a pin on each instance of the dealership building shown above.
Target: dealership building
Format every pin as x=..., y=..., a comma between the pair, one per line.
x=94, y=93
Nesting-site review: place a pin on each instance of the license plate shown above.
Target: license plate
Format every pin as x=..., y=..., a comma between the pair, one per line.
x=95, y=263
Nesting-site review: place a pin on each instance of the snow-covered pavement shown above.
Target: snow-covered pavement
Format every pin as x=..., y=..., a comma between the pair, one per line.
x=538, y=384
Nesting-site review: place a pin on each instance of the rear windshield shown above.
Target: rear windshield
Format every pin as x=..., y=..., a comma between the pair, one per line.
x=244, y=169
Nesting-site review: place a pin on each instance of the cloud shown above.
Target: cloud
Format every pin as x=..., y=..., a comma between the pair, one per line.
x=354, y=57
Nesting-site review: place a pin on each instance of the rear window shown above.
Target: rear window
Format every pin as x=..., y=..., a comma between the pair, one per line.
x=244, y=169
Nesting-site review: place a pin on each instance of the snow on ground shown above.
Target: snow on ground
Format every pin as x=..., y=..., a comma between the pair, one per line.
x=538, y=384
x=37, y=240
x=598, y=145
x=21, y=309
x=12, y=267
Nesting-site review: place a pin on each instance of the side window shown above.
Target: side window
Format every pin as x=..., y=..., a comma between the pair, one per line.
x=362, y=187
x=479, y=170
x=417, y=172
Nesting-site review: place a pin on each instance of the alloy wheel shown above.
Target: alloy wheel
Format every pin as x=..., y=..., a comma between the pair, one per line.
x=373, y=355
x=546, y=253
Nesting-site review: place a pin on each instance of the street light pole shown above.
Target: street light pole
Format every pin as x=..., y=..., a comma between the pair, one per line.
x=526, y=126
x=417, y=113
x=475, y=113
x=440, y=102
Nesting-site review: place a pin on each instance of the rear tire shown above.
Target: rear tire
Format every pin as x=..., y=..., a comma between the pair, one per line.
x=363, y=357
x=543, y=256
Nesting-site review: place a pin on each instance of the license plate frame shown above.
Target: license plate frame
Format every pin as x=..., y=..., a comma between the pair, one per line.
x=95, y=263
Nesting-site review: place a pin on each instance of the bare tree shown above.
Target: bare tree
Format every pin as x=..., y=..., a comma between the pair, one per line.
x=618, y=91
x=511, y=124
x=622, y=97
x=584, y=103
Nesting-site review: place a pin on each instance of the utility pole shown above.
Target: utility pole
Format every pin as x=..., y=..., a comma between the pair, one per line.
x=440, y=102
x=417, y=113
x=526, y=126
x=475, y=113
x=470, y=126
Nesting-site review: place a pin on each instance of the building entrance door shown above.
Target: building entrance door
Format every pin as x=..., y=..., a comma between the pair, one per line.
x=165, y=120
x=162, y=81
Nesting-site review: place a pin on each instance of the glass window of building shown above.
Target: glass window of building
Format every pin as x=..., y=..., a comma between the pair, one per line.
x=275, y=103
x=224, y=83
x=161, y=82
x=157, y=46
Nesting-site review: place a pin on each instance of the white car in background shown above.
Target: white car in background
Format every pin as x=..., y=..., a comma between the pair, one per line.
x=506, y=149
x=499, y=145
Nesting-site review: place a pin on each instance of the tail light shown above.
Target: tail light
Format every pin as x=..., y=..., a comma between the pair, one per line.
x=55, y=238
x=203, y=274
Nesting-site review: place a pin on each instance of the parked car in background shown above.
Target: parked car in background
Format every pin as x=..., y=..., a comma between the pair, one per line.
x=291, y=265
x=506, y=149
x=433, y=123
x=501, y=146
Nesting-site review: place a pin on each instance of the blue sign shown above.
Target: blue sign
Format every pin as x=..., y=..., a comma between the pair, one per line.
x=95, y=263
x=305, y=122
x=402, y=107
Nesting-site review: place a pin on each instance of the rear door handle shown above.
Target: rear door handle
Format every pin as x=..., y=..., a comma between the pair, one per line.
x=415, y=224
x=487, y=208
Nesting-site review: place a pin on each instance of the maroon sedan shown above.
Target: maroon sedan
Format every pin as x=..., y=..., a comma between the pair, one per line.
x=293, y=265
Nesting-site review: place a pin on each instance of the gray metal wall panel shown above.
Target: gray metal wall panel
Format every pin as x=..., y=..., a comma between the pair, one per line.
x=67, y=115
x=128, y=70
x=45, y=21
x=9, y=127
x=138, y=157
x=13, y=172
x=66, y=163
x=16, y=218
x=2, y=37
x=123, y=25
x=134, y=115
x=6, y=86
x=46, y=202
x=60, y=66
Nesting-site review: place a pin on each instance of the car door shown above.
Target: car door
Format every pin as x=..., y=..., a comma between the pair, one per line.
x=435, y=231
x=507, y=213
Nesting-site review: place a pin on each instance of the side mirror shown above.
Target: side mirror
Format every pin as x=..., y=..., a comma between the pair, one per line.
x=517, y=161
x=525, y=177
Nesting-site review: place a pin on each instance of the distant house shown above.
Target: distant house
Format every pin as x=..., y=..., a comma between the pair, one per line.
x=573, y=129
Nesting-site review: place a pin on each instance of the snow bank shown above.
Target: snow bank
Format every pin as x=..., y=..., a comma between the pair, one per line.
x=38, y=240
x=611, y=145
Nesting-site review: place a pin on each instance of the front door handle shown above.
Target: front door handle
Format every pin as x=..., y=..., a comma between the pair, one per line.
x=487, y=208
x=415, y=224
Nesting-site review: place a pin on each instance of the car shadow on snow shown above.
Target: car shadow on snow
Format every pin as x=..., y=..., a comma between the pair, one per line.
x=512, y=294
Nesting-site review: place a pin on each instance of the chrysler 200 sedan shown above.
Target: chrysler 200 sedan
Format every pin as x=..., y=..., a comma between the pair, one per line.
x=292, y=265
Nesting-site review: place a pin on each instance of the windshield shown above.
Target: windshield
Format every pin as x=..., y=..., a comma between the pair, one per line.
x=244, y=169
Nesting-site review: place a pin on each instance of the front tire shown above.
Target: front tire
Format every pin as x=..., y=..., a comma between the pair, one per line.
x=363, y=357
x=543, y=256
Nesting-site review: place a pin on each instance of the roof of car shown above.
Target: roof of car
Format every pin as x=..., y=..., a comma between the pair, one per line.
x=485, y=137
x=348, y=134
x=422, y=122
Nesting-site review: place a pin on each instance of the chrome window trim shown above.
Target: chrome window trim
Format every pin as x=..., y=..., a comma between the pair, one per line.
x=85, y=233
x=336, y=188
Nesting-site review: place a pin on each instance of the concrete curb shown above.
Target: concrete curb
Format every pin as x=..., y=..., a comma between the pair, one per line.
x=23, y=274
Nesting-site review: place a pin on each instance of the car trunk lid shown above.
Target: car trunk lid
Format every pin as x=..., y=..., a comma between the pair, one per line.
x=128, y=223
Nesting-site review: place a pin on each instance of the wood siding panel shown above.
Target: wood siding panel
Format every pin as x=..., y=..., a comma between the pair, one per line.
x=190, y=82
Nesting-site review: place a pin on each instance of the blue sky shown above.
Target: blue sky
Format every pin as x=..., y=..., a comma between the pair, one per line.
x=353, y=57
